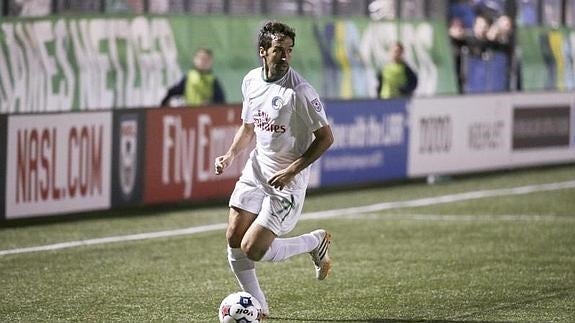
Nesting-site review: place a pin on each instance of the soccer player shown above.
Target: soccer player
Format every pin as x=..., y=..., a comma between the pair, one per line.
x=288, y=120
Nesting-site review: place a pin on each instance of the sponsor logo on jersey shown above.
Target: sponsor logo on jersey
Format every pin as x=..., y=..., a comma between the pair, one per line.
x=263, y=121
x=316, y=103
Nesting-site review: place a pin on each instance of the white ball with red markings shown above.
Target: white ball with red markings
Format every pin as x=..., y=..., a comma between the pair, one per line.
x=240, y=307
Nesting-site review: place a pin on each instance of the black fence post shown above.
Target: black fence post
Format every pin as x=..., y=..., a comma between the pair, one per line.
x=300, y=7
x=4, y=8
x=226, y=7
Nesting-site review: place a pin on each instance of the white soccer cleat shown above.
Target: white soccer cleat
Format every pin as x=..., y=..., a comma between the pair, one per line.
x=320, y=256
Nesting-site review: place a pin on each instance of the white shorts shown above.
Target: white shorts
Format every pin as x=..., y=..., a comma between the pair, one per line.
x=277, y=210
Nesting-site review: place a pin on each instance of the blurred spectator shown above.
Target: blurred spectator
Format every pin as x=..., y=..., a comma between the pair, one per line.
x=490, y=9
x=200, y=86
x=463, y=11
x=396, y=79
x=476, y=42
x=501, y=32
x=457, y=32
x=483, y=57
x=551, y=15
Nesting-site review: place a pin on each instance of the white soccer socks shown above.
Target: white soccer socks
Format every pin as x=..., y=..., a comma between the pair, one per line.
x=283, y=248
x=245, y=272
x=280, y=249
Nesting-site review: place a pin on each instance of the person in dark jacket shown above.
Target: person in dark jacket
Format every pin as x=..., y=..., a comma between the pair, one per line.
x=396, y=78
x=199, y=86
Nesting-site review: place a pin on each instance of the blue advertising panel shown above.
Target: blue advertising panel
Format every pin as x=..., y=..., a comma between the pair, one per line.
x=371, y=140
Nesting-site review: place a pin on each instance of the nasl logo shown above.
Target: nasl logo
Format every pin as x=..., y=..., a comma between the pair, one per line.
x=316, y=104
x=128, y=156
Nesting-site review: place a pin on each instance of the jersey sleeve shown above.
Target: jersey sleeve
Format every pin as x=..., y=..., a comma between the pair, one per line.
x=310, y=107
x=246, y=116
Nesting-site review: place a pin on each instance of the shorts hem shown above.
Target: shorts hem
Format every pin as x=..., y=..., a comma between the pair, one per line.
x=243, y=208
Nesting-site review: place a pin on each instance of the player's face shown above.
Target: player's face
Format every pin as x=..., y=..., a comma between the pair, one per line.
x=278, y=56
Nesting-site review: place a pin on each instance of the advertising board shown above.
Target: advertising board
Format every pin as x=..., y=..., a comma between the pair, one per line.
x=181, y=146
x=57, y=163
x=370, y=145
x=455, y=134
x=128, y=157
x=543, y=128
x=473, y=133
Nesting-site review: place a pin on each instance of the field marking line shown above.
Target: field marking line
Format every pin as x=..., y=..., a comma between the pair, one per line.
x=307, y=216
x=462, y=217
x=130, y=237
x=440, y=200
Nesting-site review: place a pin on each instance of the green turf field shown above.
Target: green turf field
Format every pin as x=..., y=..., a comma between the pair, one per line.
x=506, y=258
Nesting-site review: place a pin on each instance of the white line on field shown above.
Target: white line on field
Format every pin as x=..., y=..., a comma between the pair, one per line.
x=440, y=199
x=131, y=237
x=463, y=217
x=307, y=216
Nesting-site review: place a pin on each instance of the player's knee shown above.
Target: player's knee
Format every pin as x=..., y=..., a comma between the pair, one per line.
x=252, y=251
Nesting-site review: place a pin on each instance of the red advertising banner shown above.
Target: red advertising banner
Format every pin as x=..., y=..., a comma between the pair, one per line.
x=181, y=146
x=58, y=163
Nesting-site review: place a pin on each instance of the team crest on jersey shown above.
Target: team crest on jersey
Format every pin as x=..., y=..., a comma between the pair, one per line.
x=316, y=103
x=277, y=102
x=284, y=208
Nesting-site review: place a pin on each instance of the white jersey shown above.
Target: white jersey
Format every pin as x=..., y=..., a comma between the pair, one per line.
x=285, y=114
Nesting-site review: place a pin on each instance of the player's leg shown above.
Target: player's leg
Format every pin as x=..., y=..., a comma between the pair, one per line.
x=243, y=268
x=283, y=248
x=256, y=241
x=279, y=214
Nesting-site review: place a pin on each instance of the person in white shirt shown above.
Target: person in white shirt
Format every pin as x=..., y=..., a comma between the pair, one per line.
x=286, y=116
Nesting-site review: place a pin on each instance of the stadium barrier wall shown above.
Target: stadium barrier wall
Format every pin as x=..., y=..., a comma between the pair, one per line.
x=75, y=162
x=90, y=63
x=452, y=135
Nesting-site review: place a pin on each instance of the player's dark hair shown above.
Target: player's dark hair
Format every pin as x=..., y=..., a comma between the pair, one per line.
x=274, y=28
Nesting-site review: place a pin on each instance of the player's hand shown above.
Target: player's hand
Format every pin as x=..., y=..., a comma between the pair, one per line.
x=222, y=163
x=281, y=179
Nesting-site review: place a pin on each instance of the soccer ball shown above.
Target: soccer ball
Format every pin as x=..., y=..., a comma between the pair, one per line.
x=240, y=307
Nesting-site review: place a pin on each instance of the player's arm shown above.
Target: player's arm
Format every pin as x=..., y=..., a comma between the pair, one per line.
x=323, y=140
x=241, y=140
